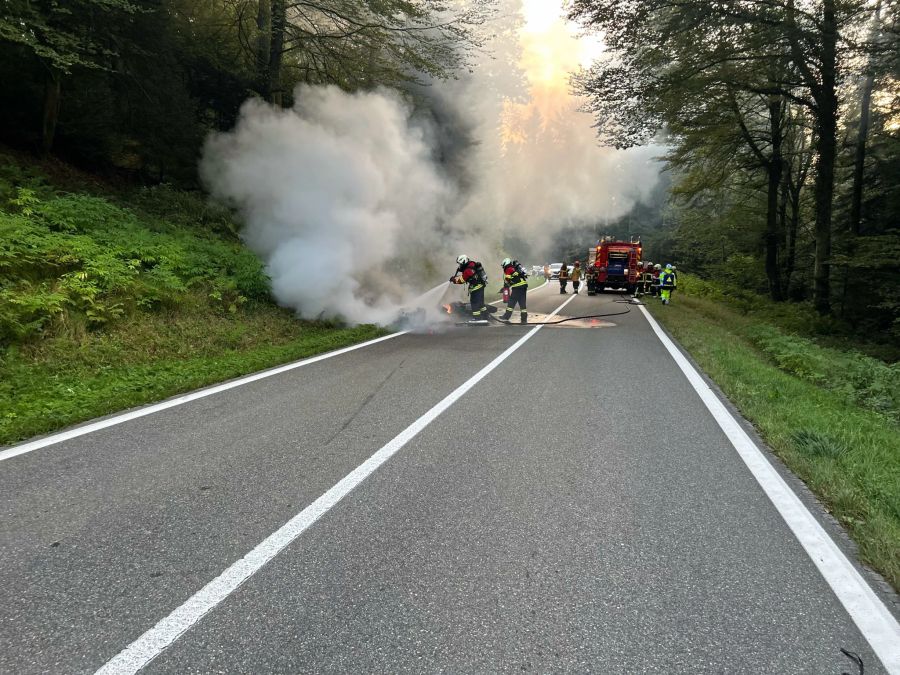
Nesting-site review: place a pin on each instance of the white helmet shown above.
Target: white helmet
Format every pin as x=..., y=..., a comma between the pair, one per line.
x=668, y=267
x=462, y=260
x=506, y=262
x=657, y=266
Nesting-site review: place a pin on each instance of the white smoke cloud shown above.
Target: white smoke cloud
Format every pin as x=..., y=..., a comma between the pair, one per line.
x=344, y=201
x=329, y=192
x=537, y=165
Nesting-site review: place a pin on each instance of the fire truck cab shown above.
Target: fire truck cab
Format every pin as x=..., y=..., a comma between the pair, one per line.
x=614, y=265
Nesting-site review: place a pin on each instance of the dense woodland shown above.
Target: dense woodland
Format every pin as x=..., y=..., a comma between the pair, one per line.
x=781, y=117
x=137, y=84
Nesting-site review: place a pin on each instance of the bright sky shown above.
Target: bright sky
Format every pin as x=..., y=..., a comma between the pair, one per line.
x=552, y=50
x=546, y=17
x=540, y=14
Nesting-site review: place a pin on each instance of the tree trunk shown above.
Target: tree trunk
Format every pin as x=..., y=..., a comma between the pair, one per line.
x=783, y=235
x=793, y=227
x=263, y=45
x=859, y=167
x=826, y=149
x=775, y=170
x=276, y=51
x=52, y=96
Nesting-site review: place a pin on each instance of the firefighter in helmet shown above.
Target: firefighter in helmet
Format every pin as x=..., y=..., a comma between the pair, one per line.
x=666, y=284
x=654, y=288
x=647, y=278
x=472, y=274
x=575, y=276
x=516, y=280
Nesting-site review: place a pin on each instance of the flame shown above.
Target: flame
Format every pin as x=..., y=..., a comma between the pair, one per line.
x=448, y=309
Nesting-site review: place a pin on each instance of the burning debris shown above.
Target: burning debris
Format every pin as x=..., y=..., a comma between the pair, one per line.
x=463, y=309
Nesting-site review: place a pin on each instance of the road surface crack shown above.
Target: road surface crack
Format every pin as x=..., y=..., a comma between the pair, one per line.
x=365, y=402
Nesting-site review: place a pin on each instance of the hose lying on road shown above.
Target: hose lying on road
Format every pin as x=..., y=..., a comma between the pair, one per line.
x=571, y=318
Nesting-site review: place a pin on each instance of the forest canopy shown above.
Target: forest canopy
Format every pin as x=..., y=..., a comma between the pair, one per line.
x=782, y=119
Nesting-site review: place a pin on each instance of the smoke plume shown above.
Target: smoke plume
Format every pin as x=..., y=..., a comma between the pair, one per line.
x=354, y=200
x=329, y=192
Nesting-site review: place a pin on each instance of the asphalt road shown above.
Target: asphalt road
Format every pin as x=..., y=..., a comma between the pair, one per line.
x=578, y=509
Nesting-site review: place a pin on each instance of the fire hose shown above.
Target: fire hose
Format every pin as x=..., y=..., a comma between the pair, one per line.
x=567, y=319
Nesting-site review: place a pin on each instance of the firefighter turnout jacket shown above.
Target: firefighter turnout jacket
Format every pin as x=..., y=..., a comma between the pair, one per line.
x=514, y=275
x=473, y=274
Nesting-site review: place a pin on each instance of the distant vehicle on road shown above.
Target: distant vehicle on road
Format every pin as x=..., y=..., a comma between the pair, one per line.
x=554, y=270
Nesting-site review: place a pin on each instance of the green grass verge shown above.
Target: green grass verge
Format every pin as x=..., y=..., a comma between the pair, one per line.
x=115, y=298
x=810, y=405
x=59, y=381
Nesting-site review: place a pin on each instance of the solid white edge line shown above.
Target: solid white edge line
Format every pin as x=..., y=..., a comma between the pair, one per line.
x=874, y=620
x=152, y=643
x=23, y=448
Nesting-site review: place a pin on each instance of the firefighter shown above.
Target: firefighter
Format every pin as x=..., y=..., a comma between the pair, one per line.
x=472, y=273
x=563, y=278
x=576, y=277
x=516, y=280
x=666, y=284
x=647, y=278
x=654, y=288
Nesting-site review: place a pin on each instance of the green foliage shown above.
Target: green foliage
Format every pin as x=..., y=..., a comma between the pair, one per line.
x=817, y=444
x=64, y=35
x=172, y=206
x=75, y=262
x=798, y=318
x=136, y=85
x=809, y=405
x=59, y=381
x=862, y=380
x=106, y=304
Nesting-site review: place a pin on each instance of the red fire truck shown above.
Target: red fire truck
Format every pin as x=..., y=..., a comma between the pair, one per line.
x=613, y=264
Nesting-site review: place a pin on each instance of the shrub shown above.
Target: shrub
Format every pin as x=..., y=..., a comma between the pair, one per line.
x=863, y=380
x=82, y=260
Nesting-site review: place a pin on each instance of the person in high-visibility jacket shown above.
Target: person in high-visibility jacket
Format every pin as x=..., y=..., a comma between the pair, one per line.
x=516, y=280
x=575, y=277
x=667, y=284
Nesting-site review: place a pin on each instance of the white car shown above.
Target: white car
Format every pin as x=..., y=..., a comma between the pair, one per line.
x=554, y=270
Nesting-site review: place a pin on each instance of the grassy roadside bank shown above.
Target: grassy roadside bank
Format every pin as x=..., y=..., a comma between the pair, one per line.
x=56, y=383
x=115, y=298
x=830, y=415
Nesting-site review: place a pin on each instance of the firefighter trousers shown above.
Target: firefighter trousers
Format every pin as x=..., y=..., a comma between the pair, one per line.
x=476, y=299
x=517, y=296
